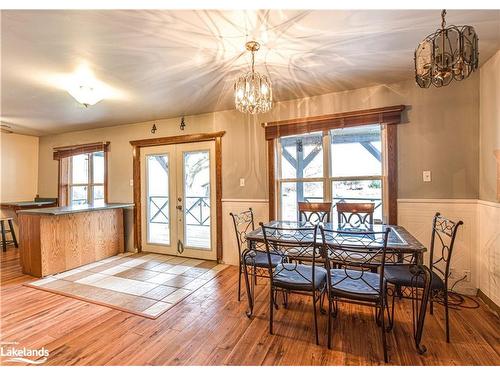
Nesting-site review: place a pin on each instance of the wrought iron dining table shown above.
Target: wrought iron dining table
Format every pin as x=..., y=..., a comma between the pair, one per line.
x=401, y=247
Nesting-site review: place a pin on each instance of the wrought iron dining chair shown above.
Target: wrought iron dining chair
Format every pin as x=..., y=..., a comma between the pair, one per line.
x=289, y=276
x=253, y=258
x=358, y=252
x=355, y=214
x=315, y=212
x=444, y=232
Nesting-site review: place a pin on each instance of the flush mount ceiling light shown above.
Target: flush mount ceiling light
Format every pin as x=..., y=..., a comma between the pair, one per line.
x=84, y=87
x=447, y=54
x=85, y=95
x=253, y=91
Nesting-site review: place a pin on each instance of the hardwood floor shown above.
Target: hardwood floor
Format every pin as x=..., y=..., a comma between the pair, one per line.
x=210, y=328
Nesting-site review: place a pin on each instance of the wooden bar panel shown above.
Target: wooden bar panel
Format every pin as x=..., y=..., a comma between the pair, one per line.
x=29, y=244
x=55, y=243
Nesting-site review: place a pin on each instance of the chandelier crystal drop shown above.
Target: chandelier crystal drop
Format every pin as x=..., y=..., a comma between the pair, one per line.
x=253, y=91
x=447, y=54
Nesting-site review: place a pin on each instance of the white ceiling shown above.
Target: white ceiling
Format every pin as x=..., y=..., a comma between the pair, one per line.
x=167, y=63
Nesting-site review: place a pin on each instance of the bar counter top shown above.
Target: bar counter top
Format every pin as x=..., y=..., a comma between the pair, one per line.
x=66, y=210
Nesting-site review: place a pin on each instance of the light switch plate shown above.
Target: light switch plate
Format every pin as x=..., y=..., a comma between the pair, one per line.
x=426, y=176
x=131, y=182
x=242, y=182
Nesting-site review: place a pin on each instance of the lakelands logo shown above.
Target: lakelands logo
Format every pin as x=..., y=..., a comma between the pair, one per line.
x=13, y=353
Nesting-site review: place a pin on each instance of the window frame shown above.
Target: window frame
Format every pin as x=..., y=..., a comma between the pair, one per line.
x=90, y=178
x=387, y=117
x=63, y=155
x=328, y=179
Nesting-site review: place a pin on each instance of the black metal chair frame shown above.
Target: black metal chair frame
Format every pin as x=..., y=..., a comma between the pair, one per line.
x=445, y=231
x=243, y=224
x=277, y=241
x=357, y=253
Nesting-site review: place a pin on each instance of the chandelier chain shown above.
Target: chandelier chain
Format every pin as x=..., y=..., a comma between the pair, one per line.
x=443, y=21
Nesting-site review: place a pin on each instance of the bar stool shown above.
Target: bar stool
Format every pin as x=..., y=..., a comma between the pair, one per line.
x=13, y=239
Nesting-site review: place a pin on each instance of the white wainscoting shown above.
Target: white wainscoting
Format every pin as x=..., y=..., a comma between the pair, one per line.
x=489, y=245
x=260, y=209
x=416, y=216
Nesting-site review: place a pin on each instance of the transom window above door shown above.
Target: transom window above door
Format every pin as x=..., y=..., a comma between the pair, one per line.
x=337, y=165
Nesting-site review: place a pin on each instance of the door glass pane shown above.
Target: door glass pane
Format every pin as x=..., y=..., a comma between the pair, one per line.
x=356, y=151
x=80, y=169
x=98, y=160
x=358, y=191
x=302, y=156
x=294, y=192
x=78, y=195
x=99, y=194
x=157, y=199
x=196, y=166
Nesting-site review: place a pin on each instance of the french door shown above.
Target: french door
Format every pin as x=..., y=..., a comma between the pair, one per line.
x=178, y=200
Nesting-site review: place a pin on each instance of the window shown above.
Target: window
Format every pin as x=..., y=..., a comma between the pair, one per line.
x=339, y=165
x=86, y=178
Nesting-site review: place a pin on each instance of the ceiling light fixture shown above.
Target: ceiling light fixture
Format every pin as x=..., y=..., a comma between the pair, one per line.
x=84, y=87
x=85, y=95
x=449, y=53
x=253, y=91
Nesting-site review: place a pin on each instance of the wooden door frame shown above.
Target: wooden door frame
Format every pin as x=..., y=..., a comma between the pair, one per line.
x=173, y=140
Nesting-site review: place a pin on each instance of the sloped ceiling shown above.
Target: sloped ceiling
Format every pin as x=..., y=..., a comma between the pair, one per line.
x=167, y=63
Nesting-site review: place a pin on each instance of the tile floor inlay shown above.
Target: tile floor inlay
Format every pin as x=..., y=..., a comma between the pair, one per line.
x=144, y=284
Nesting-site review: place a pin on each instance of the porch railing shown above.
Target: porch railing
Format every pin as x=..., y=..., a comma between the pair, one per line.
x=197, y=213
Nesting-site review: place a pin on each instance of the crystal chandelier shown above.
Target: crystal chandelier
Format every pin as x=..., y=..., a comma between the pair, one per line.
x=253, y=91
x=449, y=53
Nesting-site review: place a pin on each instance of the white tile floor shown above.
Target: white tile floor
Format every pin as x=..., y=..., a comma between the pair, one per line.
x=146, y=284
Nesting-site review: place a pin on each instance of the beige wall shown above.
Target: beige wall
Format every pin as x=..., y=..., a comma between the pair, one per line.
x=19, y=167
x=440, y=134
x=489, y=127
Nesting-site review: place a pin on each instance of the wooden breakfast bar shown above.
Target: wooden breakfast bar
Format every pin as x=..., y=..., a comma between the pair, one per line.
x=58, y=239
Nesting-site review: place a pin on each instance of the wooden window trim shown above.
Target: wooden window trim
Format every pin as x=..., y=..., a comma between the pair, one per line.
x=67, y=151
x=189, y=138
x=387, y=117
x=63, y=154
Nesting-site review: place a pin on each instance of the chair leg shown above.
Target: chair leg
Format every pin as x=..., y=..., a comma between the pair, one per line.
x=285, y=299
x=4, y=237
x=390, y=316
x=431, y=305
x=271, y=309
x=12, y=233
x=330, y=313
x=249, y=290
x=446, y=316
x=254, y=275
x=384, y=340
x=239, y=284
x=315, y=318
